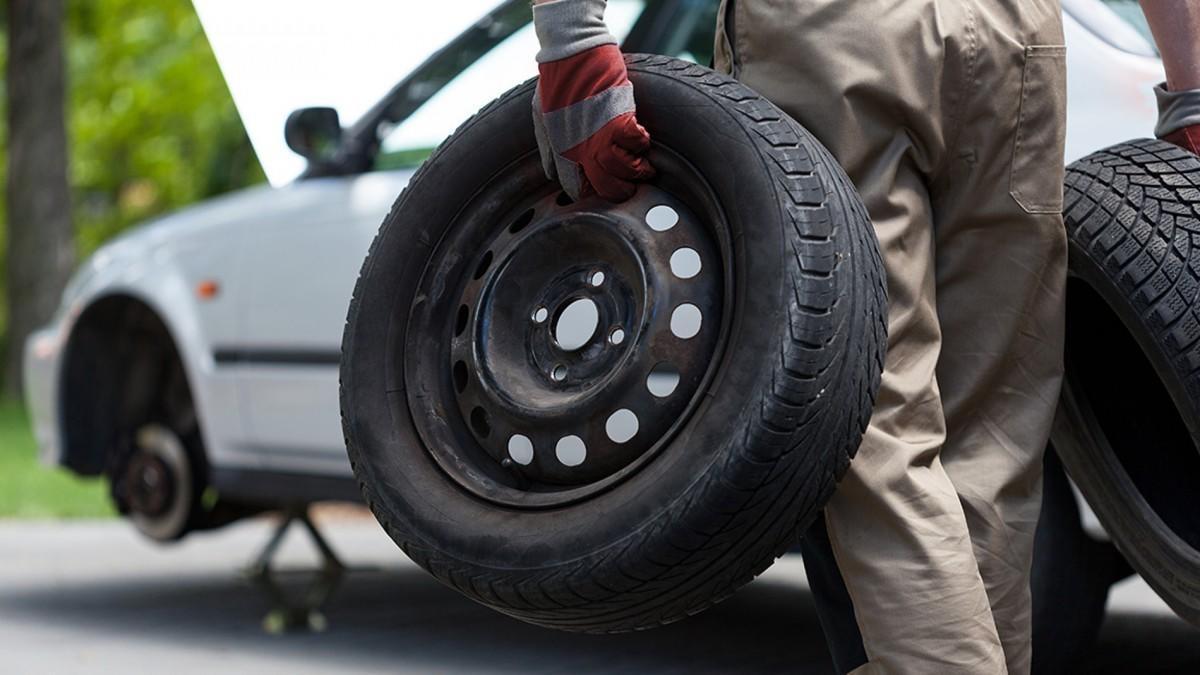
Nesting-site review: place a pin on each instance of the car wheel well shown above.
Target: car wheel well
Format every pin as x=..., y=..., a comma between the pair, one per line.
x=121, y=370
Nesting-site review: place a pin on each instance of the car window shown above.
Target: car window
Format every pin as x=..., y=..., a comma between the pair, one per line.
x=507, y=64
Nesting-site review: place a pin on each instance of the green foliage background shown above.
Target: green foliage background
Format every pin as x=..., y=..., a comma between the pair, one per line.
x=29, y=490
x=150, y=122
x=151, y=128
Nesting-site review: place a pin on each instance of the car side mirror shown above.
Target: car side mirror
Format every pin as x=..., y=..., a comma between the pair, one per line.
x=313, y=133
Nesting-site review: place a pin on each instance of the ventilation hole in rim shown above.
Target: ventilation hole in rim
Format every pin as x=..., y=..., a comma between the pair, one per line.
x=570, y=450
x=597, y=278
x=621, y=426
x=662, y=218
x=559, y=373
x=521, y=221
x=564, y=199
x=483, y=265
x=540, y=315
x=662, y=380
x=576, y=324
x=461, y=377
x=686, y=320
x=460, y=322
x=520, y=448
x=480, y=423
x=617, y=336
x=685, y=263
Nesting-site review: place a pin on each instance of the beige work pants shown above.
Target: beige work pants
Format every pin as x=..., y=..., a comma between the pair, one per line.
x=949, y=117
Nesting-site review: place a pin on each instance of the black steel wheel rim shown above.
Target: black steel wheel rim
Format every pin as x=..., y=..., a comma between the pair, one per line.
x=556, y=347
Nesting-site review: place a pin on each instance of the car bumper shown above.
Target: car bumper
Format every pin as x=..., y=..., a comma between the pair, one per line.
x=43, y=359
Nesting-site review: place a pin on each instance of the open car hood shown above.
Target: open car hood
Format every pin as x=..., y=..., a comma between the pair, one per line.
x=280, y=55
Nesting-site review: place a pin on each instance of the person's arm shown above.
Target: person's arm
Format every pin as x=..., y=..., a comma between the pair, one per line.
x=1176, y=28
x=583, y=112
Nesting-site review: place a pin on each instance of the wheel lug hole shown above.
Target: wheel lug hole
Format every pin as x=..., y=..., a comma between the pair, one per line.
x=520, y=449
x=686, y=320
x=570, y=450
x=685, y=263
x=540, y=315
x=480, y=422
x=662, y=218
x=663, y=380
x=597, y=279
x=558, y=373
x=616, y=336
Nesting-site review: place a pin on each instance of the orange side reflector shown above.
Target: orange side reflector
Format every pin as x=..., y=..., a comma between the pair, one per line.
x=208, y=289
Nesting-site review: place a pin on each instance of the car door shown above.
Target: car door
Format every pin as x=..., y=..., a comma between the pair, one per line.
x=296, y=271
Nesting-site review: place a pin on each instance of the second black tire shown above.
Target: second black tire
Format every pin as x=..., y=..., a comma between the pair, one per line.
x=1129, y=422
x=787, y=398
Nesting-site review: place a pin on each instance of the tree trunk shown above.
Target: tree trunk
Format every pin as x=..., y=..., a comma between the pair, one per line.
x=41, y=248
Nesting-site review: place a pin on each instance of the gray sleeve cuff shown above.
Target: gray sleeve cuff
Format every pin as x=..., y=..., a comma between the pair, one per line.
x=567, y=27
x=1176, y=109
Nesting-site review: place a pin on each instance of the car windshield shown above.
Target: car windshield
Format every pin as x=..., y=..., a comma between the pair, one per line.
x=507, y=63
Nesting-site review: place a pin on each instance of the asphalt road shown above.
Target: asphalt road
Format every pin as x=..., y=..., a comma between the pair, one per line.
x=94, y=597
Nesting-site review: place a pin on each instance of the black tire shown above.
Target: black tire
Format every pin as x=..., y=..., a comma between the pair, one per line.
x=1127, y=427
x=743, y=475
x=1072, y=573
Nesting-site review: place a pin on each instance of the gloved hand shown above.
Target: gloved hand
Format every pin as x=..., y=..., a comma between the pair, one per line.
x=1179, y=117
x=583, y=111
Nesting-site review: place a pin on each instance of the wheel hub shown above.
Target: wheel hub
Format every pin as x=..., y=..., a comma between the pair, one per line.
x=150, y=483
x=584, y=333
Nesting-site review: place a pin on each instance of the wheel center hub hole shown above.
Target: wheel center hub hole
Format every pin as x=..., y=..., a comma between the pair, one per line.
x=576, y=324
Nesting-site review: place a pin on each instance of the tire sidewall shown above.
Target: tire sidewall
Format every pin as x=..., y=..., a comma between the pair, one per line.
x=1164, y=560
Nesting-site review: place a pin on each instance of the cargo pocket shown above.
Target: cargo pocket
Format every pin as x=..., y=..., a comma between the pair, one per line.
x=724, y=51
x=1036, y=181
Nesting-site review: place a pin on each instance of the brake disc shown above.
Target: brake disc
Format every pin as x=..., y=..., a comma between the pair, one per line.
x=159, y=479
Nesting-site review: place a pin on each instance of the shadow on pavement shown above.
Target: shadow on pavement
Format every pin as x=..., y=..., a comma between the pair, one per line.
x=403, y=621
x=1141, y=643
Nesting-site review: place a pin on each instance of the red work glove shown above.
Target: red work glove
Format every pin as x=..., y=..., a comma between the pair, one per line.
x=583, y=111
x=1179, y=117
x=1187, y=138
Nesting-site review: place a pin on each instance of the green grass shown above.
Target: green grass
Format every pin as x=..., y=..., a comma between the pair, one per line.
x=30, y=490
